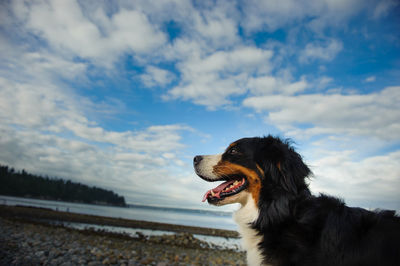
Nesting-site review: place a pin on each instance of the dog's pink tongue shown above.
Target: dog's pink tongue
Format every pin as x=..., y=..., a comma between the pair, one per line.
x=206, y=195
x=217, y=191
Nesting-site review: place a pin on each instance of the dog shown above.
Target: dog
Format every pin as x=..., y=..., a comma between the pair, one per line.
x=281, y=223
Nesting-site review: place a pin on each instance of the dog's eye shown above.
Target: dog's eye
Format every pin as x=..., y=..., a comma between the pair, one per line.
x=233, y=151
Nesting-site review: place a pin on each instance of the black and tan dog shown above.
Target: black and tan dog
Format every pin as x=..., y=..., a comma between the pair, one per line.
x=282, y=223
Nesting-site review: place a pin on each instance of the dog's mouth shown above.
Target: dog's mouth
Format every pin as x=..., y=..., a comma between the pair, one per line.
x=226, y=189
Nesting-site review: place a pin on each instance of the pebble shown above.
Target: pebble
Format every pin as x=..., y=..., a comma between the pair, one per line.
x=25, y=243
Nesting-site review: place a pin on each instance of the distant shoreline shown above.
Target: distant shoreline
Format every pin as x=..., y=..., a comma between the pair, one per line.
x=105, y=204
x=23, y=184
x=34, y=213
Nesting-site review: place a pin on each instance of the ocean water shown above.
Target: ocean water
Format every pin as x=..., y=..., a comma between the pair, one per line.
x=200, y=218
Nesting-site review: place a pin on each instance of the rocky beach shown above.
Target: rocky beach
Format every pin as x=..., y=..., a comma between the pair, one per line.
x=27, y=239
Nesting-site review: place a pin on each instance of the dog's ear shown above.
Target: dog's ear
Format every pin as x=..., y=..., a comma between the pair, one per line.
x=282, y=164
x=293, y=171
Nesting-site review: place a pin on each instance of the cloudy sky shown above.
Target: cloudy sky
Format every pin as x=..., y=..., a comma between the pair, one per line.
x=123, y=94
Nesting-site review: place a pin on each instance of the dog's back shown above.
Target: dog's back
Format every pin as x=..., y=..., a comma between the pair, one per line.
x=325, y=232
x=360, y=237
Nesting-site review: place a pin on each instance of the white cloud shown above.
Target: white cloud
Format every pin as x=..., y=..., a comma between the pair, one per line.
x=267, y=85
x=232, y=61
x=323, y=82
x=25, y=64
x=314, y=15
x=155, y=76
x=132, y=30
x=212, y=79
x=325, y=52
x=68, y=29
x=208, y=90
x=383, y=7
x=370, y=79
x=271, y=15
x=374, y=114
x=216, y=27
x=372, y=182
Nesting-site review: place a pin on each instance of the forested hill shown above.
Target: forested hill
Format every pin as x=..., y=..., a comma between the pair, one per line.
x=23, y=184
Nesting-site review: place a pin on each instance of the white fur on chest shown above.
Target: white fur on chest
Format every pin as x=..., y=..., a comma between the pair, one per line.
x=246, y=215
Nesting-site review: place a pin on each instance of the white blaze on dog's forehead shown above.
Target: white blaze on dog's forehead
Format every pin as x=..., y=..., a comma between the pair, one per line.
x=206, y=166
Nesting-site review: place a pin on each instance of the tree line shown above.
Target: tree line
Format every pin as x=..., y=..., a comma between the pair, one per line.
x=23, y=184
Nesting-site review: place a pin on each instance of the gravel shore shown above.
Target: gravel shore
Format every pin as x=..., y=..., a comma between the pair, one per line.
x=28, y=243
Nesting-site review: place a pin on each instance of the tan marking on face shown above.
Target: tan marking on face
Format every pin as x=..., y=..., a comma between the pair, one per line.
x=279, y=166
x=225, y=168
x=233, y=144
x=260, y=169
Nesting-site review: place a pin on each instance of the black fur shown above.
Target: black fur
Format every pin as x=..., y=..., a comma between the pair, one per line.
x=301, y=229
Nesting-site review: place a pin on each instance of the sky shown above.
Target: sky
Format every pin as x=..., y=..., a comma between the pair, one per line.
x=123, y=94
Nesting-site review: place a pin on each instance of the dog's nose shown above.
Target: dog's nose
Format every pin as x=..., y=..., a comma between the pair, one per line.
x=197, y=160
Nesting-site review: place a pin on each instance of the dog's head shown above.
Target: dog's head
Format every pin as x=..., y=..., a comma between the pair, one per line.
x=265, y=168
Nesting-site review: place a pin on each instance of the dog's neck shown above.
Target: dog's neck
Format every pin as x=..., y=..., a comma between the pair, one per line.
x=245, y=217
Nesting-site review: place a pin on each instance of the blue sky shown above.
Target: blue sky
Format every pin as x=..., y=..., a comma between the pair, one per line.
x=123, y=94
